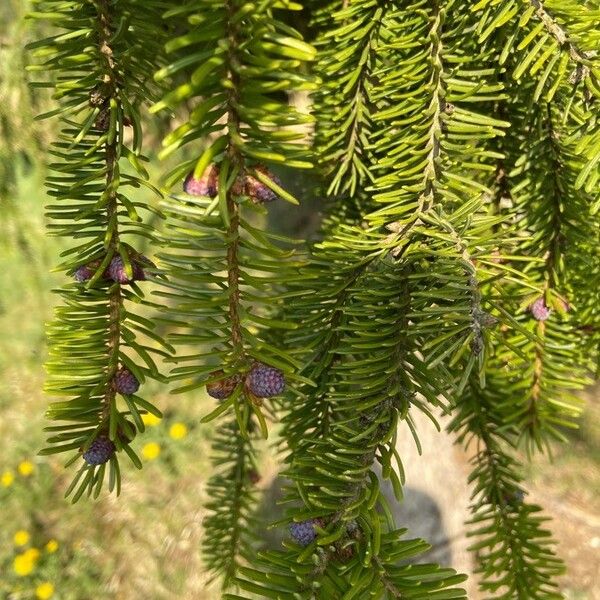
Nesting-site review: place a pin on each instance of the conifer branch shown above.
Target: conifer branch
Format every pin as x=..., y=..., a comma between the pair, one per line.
x=233, y=234
x=94, y=338
x=391, y=310
x=348, y=105
x=231, y=503
x=553, y=256
x=561, y=36
x=227, y=283
x=513, y=550
x=114, y=295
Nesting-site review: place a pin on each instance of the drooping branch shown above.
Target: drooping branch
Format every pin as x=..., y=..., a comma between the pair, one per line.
x=112, y=247
x=561, y=36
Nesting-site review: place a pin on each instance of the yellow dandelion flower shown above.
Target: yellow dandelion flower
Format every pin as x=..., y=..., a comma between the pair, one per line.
x=51, y=546
x=150, y=420
x=21, y=538
x=26, y=468
x=178, y=431
x=44, y=591
x=23, y=565
x=7, y=478
x=32, y=554
x=150, y=451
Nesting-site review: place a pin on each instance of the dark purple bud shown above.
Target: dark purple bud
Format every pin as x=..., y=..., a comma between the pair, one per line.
x=304, y=532
x=117, y=272
x=99, y=452
x=83, y=273
x=86, y=272
x=264, y=381
x=126, y=382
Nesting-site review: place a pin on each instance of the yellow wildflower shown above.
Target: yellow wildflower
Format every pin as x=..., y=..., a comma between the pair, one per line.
x=21, y=538
x=150, y=420
x=23, y=564
x=7, y=478
x=178, y=431
x=150, y=451
x=51, y=546
x=44, y=591
x=26, y=468
x=32, y=554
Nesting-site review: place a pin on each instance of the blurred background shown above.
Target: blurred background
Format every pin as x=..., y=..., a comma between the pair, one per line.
x=146, y=544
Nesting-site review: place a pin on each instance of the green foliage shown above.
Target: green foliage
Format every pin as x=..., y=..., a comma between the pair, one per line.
x=227, y=275
x=333, y=575
x=102, y=74
x=460, y=150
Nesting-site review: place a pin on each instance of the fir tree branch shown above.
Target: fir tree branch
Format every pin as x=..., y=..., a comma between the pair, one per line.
x=514, y=552
x=432, y=167
x=553, y=256
x=227, y=283
x=112, y=248
x=560, y=35
x=233, y=234
x=352, y=146
x=94, y=339
x=231, y=502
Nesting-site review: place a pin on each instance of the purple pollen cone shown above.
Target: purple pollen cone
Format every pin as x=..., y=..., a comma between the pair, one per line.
x=117, y=272
x=99, y=452
x=539, y=310
x=206, y=185
x=126, y=382
x=304, y=532
x=83, y=273
x=264, y=381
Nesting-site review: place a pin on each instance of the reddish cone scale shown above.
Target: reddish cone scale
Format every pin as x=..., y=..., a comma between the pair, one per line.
x=222, y=388
x=206, y=185
x=257, y=190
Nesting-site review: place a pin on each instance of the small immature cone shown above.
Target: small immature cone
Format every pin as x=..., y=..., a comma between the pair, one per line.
x=539, y=310
x=126, y=382
x=86, y=272
x=117, y=272
x=222, y=388
x=257, y=190
x=304, y=532
x=99, y=452
x=83, y=273
x=264, y=381
x=206, y=185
